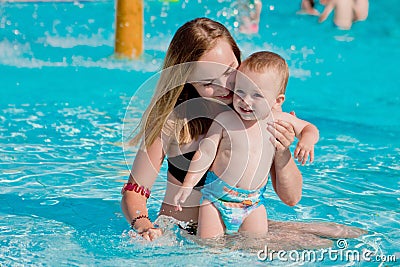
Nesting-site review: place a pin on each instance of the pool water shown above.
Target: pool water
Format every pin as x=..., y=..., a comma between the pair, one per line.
x=63, y=99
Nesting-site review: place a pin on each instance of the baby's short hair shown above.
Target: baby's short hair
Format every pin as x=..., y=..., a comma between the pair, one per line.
x=269, y=61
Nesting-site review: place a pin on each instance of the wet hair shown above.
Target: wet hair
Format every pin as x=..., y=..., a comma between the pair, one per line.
x=268, y=61
x=190, y=42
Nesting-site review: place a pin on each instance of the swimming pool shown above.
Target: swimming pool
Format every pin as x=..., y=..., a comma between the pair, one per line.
x=63, y=100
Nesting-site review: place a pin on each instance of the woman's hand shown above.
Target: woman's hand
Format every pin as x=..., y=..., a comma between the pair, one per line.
x=282, y=135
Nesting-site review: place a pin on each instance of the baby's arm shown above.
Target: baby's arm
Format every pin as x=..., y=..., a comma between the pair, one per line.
x=201, y=162
x=328, y=9
x=307, y=134
x=308, y=8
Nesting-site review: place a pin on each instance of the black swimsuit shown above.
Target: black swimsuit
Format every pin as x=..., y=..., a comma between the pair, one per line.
x=178, y=166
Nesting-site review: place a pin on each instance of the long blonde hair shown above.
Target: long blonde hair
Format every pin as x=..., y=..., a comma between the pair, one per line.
x=190, y=42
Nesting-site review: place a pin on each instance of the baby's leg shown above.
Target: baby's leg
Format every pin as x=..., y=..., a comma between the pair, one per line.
x=210, y=221
x=343, y=17
x=256, y=222
x=361, y=10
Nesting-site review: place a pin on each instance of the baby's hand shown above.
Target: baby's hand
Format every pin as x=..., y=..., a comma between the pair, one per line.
x=303, y=150
x=181, y=197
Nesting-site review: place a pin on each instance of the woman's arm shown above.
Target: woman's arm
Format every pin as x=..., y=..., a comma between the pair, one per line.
x=145, y=170
x=286, y=177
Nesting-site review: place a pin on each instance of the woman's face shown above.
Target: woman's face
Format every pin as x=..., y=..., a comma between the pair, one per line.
x=214, y=75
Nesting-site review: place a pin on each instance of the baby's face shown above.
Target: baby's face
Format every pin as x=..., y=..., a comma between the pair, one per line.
x=255, y=94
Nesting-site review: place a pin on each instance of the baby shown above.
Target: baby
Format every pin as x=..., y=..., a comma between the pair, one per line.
x=238, y=150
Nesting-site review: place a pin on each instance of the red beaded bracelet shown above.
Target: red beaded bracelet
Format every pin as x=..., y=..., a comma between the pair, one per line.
x=136, y=188
x=137, y=218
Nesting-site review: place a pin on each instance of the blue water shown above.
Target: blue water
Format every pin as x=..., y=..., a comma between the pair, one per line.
x=62, y=106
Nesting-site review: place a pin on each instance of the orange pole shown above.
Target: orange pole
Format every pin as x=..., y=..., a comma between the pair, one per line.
x=129, y=28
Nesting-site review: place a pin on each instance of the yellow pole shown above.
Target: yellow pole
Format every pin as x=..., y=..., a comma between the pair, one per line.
x=129, y=28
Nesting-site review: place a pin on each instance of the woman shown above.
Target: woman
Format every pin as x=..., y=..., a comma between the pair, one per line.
x=177, y=137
